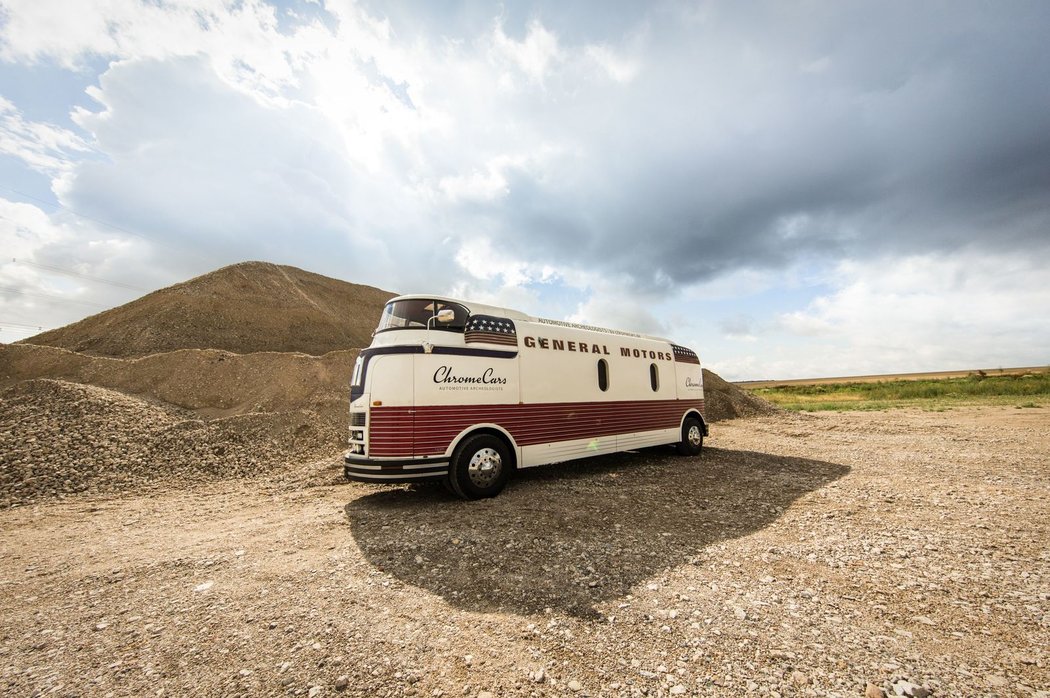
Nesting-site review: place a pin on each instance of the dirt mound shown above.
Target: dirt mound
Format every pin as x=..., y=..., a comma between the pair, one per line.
x=244, y=308
x=74, y=423
x=210, y=382
x=61, y=438
x=723, y=400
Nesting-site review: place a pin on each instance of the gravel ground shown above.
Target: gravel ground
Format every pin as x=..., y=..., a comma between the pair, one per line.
x=59, y=438
x=849, y=554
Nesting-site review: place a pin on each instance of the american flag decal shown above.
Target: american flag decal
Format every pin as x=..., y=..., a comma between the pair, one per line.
x=685, y=356
x=491, y=330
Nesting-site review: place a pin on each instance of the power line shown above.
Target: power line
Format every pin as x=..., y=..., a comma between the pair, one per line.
x=9, y=323
x=75, y=213
x=152, y=240
x=50, y=297
x=78, y=275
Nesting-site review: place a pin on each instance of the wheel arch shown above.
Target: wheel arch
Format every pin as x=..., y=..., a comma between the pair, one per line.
x=492, y=430
x=694, y=413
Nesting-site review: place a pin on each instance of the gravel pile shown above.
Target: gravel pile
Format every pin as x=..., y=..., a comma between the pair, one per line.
x=59, y=438
x=210, y=382
x=723, y=400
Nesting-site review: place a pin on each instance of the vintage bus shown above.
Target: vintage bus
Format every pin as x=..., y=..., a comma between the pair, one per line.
x=467, y=393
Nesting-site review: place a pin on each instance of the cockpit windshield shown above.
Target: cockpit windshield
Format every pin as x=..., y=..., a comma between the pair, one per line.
x=416, y=313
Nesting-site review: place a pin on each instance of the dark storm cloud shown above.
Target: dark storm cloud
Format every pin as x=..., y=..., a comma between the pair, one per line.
x=755, y=135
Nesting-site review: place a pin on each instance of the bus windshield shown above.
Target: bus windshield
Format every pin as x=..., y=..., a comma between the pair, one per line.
x=415, y=313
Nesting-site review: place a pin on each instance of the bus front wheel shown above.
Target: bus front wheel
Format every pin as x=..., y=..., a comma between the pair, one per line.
x=480, y=467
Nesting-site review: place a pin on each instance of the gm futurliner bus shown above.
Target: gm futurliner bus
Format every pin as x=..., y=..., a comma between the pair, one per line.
x=467, y=393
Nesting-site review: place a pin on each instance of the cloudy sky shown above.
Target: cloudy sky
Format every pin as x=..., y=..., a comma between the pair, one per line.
x=792, y=189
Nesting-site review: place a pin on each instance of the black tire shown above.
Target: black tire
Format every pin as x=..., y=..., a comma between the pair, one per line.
x=480, y=467
x=692, y=437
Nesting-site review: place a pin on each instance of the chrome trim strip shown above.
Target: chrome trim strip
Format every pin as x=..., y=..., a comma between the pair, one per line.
x=421, y=466
x=396, y=476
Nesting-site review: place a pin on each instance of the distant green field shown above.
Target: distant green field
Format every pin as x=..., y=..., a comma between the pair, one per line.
x=1031, y=390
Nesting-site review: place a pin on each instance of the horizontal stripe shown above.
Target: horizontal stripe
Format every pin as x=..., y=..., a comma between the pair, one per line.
x=470, y=351
x=491, y=338
x=429, y=430
x=355, y=460
x=392, y=477
x=422, y=466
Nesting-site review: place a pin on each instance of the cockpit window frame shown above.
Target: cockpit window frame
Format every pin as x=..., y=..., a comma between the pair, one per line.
x=435, y=304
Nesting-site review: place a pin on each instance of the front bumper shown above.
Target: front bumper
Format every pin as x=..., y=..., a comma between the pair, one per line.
x=363, y=469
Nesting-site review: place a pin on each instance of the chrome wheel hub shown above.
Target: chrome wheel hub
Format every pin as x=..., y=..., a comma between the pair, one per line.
x=694, y=435
x=484, y=467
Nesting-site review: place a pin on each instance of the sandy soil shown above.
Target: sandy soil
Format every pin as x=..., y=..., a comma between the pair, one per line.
x=843, y=554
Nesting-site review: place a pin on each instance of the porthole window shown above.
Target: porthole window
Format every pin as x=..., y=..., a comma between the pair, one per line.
x=654, y=377
x=603, y=375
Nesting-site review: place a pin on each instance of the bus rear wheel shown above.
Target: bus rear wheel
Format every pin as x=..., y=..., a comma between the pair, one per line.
x=692, y=437
x=480, y=467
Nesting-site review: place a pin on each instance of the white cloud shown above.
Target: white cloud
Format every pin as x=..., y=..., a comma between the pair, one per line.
x=241, y=39
x=608, y=305
x=810, y=322
x=25, y=229
x=491, y=181
x=208, y=165
x=490, y=276
x=535, y=55
x=226, y=139
x=353, y=133
x=478, y=258
x=483, y=185
x=45, y=148
x=929, y=312
x=739, y=327
x=35, y=297
x=500, y=279
x=618, y=67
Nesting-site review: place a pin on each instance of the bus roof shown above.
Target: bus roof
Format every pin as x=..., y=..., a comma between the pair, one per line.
x=511, y=314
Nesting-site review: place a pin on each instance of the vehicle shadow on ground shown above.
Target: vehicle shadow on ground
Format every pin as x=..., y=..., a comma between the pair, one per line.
x=570, y=536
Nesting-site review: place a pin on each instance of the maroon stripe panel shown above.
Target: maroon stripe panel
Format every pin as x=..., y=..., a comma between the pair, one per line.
x=491, y=338
x=392, y=432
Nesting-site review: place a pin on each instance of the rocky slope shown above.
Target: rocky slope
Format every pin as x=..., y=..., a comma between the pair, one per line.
x=243, y=308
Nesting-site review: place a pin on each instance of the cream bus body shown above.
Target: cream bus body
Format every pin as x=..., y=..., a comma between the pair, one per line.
x=467, y=393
